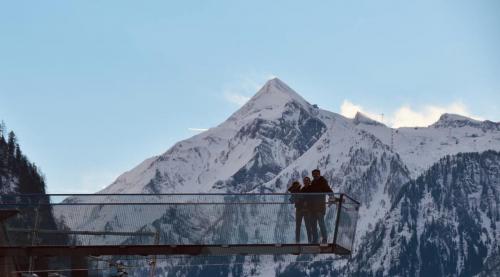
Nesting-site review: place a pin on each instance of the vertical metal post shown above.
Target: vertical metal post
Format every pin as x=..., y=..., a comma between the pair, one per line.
x=153, y=262
x=34, y=236
x=337, y=220
x=7, y=264
x=355, y=227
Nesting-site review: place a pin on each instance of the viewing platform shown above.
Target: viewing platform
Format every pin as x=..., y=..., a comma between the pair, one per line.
x=169, y=224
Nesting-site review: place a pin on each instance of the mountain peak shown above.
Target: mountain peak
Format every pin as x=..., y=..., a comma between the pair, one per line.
x=455, y=120
x=448, y=120
x=276, y=90
x=275, y=82
x=361, y=118
x=454, y=117
x=270, y=100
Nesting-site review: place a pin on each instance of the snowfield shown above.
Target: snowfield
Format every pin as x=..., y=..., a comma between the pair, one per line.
x=277, y=137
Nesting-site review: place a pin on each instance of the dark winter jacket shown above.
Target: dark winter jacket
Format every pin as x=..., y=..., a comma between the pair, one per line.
x=297, y=199
x=317, y=203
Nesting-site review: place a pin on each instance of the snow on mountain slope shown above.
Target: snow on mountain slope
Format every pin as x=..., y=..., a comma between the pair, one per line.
x=355, y=162
x=278, y=137
x=420, y=147
x=444, y=223
x=275, y=129
x=198, y=163
x=268, y=133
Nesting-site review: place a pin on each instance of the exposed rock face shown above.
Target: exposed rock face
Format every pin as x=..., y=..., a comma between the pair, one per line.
x=360, y=118
x=444, y=223
x=278, y=137
x=458, y=121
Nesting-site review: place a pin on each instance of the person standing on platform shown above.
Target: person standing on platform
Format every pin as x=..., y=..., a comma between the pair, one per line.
x=300, y=210
x=317, y=205
x=307, y=214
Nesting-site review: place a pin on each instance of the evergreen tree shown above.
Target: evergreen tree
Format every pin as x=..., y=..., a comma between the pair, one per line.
x=19, y=154
x=19, y=176
x=11, y=148
x=2, y=129
x=12, y=141
x=3, y=155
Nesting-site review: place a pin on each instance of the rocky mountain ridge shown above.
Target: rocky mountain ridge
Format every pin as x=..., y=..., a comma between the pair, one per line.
x=278, y=136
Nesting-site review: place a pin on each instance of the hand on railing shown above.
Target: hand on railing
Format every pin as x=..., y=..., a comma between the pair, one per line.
x=333, y=200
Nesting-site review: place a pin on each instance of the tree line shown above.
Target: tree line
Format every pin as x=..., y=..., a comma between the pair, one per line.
x=16, y=171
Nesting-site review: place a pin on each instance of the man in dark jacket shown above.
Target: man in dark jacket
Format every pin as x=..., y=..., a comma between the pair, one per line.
x=317, y=205
x=300, y=209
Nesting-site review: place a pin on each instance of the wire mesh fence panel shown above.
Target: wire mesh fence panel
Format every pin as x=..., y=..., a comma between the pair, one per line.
x=246, y=223
x=168, y=219
x=346, y=227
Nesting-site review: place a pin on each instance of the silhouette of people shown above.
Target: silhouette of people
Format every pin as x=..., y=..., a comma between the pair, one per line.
x=307, y=214
x=317, y=206
x=301, y=211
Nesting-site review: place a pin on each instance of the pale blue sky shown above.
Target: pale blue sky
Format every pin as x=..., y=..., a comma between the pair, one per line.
x=92, y=88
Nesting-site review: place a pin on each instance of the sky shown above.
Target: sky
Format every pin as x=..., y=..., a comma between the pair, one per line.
x=92, y=88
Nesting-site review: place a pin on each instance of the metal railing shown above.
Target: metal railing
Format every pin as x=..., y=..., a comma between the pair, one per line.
x=135, y=224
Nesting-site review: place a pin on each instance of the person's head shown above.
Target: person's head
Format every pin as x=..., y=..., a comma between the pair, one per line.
x=295, y=185
x=316, y=173
x=307, y=181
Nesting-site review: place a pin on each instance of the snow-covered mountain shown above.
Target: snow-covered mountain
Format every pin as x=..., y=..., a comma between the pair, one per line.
x=444, y=223
x=419, y=147
x=277, y=130
x=276, y=137
x=273, y=129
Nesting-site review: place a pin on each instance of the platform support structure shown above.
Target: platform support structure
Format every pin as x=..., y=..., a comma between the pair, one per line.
x=337, y=219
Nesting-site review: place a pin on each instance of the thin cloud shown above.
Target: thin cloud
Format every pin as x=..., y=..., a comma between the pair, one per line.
x=348, y=109
x=198, y=129
x=241, y=90
x=407, y=116
x=236, y=98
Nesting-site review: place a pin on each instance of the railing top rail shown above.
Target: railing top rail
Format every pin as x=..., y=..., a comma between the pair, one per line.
x=160, y=199
x=165, y=194
x=140, y=204
x=350, y=198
